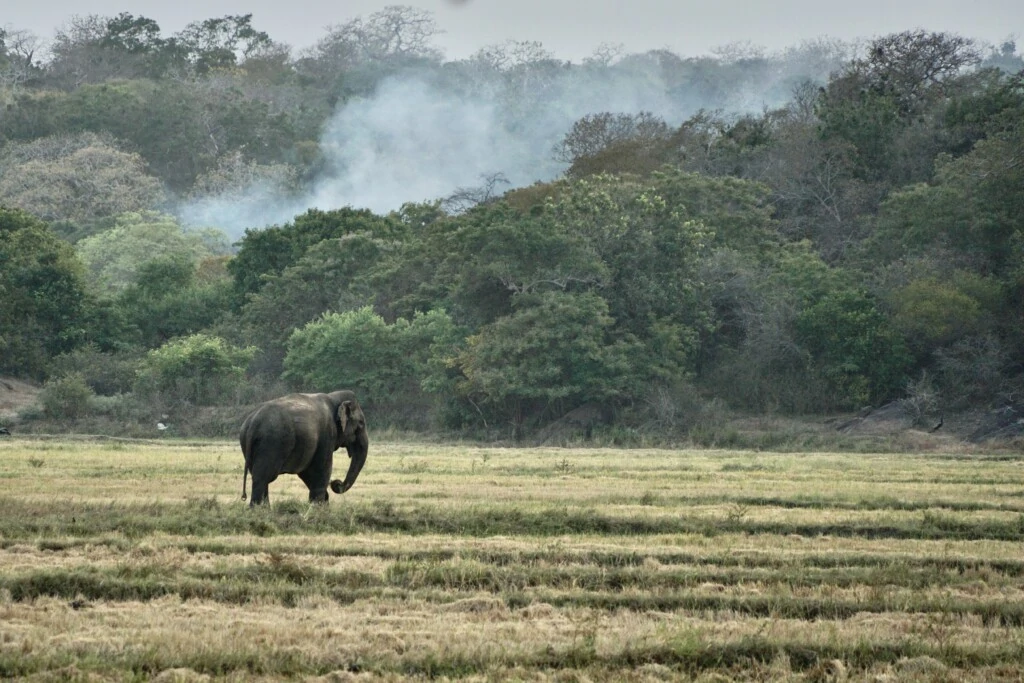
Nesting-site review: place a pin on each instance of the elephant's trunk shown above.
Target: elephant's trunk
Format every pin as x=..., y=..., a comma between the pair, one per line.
x=357, y=457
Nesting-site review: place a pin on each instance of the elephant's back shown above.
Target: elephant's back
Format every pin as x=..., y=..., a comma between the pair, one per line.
x=276, y=415
x=281, y=419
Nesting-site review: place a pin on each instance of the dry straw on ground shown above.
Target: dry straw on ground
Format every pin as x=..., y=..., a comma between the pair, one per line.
x=127, y=561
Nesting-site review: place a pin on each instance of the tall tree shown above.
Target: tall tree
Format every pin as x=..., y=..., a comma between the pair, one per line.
x=44, y=308
x=18, y=63
x=219, y=43
x=114, y=256
x=554, y=352
x=271, y=250
x=94, y=49
x=885, y=104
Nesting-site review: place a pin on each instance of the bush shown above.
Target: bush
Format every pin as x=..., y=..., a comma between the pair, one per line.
x=67, y=397
x=200, y=369
x=921, y=400
x=853, y=348
x=386, y=365
x=107, y=374
x=121, y=407
x=975, y=368
x=931, y=314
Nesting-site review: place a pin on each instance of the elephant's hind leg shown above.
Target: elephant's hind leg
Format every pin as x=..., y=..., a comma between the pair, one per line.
x=262, y=475
x=260, y=493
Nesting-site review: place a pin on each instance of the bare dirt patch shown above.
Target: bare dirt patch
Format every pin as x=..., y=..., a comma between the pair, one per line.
x=15, y=395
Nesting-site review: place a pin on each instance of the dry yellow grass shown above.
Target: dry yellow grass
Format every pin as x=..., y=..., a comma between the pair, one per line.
x=128, y=560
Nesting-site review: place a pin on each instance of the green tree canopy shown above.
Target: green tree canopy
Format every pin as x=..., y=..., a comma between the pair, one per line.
x=171, y=296
x=332, y=277
x=385, y=364
x=113, y=257
x=44, y=308
x=76, y=179
x=271, y=250
x=854, y=348
x=555, y=350
x=200, y=369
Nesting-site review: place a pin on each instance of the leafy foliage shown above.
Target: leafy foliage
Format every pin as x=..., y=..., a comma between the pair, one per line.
x=76, y=179
x=168, y=299
x=553, y=349
x=332, y=276
x=933, y=314
x=66, y=397
x=861, y=235
x=200, y=369
x=114, y=257
x=43, y=302
x=386, y=364
x=270, y=251
x=855, y=350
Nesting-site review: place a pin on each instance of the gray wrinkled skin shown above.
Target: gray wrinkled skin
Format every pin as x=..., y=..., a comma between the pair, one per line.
x=298, y=434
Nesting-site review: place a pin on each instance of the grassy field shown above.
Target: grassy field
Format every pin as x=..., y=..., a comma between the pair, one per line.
x=133, y=561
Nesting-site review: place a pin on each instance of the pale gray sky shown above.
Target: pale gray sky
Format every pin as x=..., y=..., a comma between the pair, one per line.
x=569, y=28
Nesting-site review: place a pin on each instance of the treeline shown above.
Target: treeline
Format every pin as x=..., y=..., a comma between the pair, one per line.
x=862, y=241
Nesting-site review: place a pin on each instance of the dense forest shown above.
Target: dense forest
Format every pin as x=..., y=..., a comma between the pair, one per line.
x=483, y=246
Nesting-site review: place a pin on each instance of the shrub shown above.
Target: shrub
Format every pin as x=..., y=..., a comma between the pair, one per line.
x=974, y=368
x=122, y=407
x=66, y=397
x=853, y=348
x=931, y=314
x=921, y=400
x=107, y=374
x=384, y=364
x=199, y=369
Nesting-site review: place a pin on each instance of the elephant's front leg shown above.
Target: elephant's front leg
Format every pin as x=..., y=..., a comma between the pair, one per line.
x=317, y=476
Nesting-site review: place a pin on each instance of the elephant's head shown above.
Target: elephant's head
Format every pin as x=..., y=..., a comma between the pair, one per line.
x=352, y=435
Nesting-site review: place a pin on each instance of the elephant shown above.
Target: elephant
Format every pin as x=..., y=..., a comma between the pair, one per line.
x=298, y=434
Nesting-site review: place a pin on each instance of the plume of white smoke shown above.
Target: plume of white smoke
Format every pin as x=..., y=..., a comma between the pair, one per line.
x=413, y=142
x=421, y=135
x=258, y=205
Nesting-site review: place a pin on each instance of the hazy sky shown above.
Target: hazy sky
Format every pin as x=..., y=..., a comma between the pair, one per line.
x=569, y=28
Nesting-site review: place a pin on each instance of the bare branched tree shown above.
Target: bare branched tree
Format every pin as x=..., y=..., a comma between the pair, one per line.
x=512, y=54
x=465, y=198
x=911, y=64
x=605, y=54
x=17, y=54
x=393, y=32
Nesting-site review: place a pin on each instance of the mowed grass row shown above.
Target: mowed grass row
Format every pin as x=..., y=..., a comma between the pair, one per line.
x=522, y=563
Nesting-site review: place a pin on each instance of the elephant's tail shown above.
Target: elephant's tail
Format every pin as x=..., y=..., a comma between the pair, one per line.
x=245, y=471
x=247, y=450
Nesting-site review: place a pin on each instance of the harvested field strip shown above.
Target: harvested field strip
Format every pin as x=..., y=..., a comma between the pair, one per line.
x=823, y=503
x=80, y=519
x=475, y=637
x=682, y=659
x=951, y=561
x=286, y=581
x=806, y=594
x=471, y=575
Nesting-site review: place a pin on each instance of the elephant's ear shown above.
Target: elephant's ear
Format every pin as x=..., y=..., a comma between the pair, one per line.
x=344, y=414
